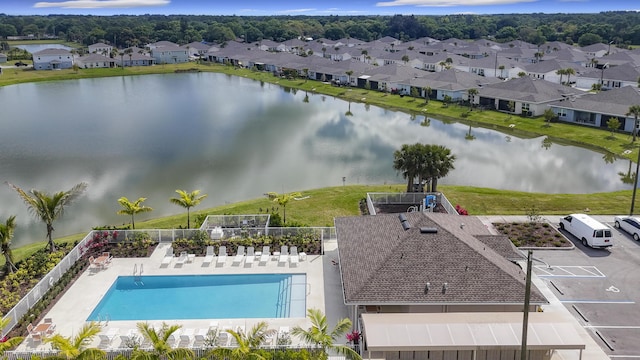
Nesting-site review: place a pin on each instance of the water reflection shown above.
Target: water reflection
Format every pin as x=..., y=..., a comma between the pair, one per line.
x=236, y=139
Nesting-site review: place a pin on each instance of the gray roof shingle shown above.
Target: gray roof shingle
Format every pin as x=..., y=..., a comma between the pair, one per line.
x=381, y=263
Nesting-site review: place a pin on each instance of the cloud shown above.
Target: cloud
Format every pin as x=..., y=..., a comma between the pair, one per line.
x=296, y=11
x=444, y=3
x=98, y=4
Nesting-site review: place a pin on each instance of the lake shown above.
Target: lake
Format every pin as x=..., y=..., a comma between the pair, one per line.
x=33, y=48
x=236, y=139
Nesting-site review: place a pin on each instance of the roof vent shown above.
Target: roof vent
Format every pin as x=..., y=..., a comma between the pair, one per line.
x=403, y=221
x=428, y=230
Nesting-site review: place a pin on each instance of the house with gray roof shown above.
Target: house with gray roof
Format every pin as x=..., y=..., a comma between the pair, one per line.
x=546, y=70
x=453, y=83
x=52, y=59
x=100, y=48
x=530, y=96
x=433, y=275
x=596, y=109
x=95, y=60
x=610, y=77
x=169, y=54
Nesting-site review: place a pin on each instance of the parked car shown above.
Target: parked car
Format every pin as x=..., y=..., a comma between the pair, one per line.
x=631, y=225
x=20, y=63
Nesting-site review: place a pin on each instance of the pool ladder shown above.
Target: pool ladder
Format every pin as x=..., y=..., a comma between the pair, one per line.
x=137, y=274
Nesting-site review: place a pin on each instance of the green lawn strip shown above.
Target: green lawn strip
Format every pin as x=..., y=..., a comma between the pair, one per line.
x=324, y=204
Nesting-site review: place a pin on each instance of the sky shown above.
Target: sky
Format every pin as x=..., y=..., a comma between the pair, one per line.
x=310, y=7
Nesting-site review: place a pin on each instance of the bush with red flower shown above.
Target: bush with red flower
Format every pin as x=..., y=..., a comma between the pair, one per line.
x=461, y=210
x=353, y=337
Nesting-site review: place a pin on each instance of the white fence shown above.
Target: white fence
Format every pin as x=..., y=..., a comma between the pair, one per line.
x=48, y=281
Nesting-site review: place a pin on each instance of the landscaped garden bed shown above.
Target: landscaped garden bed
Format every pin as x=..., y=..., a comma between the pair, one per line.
x=533, y=234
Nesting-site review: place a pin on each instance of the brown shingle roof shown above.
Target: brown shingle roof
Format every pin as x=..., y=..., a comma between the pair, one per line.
x=381, y=263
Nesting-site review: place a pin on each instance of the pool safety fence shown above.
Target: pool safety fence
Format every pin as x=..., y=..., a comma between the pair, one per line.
x=112, y=354
x=160, y=235
x=410, y=199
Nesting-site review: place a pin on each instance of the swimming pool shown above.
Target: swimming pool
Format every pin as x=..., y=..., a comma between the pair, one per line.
x=203, y=297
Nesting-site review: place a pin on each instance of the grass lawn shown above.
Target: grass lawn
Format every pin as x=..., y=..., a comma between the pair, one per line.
x=324, y=204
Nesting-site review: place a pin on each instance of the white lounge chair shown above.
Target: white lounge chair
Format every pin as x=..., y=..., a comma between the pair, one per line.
x=186, y=337
x=251, y=255
x=293, y=256
x=182, y=258
x=223, y=338
x=168, y=257
x=239, y=256
x=208, y=258
x=266, y=254
x=284, y=254
x=222, y=255
x=107, y=338
x=200, y=337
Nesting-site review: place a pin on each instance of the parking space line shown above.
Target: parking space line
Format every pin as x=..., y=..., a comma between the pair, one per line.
x=612, y=326
x=569, y=271
x=598, y=301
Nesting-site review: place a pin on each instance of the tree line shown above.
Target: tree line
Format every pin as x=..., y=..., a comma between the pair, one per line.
x=620, y=28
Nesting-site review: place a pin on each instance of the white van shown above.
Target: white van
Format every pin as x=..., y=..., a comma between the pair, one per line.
x=588, y=230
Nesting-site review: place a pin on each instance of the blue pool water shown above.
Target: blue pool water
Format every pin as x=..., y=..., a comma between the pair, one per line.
x=204, y=297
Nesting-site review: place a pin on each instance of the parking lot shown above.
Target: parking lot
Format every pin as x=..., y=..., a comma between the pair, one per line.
x=601, y=288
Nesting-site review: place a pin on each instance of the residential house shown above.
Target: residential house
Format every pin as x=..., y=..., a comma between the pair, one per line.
x=547, y=70
x=161, y=44
x=393, y=78
x=169, y=54
x=610, y=77
x=95, y=60
x=196, y=49
x=530, y=96
x=52, y=59
x=433, y=286
x=598, y=50
x=453, y=83
x=100, y=48
x=596, y=109
x=134, y=57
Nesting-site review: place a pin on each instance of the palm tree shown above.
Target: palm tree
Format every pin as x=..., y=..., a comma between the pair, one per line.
x=472, y=93
x=159, y=340
x=469, y=135
x=635, y=111
x=427, y=92
x=283, y=200
x=441, y=162
x=247, y=344
x=187, y=201
x=47, y=207
x=349, y=73
x=132, y=208
x=8, y=343
x=569, y=72
x=406, y=161
x=319, y=336
x=501, y=67
x=561, y=72
x=6, y=233
x=77, y=347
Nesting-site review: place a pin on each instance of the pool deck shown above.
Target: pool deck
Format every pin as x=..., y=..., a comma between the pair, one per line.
x=69, y=314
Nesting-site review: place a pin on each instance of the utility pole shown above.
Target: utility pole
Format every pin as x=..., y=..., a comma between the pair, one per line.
x=527, y=299
x=635, y=181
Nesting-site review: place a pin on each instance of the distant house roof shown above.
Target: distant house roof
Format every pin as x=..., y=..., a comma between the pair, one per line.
x=383, y=264
x=624, y=72
x=453, y=80
x=613, y=102
x=51, y=51
x=529, y=90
